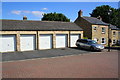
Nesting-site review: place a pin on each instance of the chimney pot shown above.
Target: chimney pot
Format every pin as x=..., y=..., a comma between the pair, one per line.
x=25, y=18
x=99, y=17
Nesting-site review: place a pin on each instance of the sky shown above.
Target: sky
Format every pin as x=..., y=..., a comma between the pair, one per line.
x=35, y=10
x=60, y=0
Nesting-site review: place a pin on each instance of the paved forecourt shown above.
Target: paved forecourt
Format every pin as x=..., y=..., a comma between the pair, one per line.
x=99, y=65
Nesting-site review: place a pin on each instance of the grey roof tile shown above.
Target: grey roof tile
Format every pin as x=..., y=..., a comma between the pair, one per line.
x=38, y=25
x=94, y=20
x=113, y=27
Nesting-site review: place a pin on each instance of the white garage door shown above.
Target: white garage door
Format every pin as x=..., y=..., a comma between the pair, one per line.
x=61, y=40
x=27, y=42
x=73, y=39
x=45, y=41
x=7, y=43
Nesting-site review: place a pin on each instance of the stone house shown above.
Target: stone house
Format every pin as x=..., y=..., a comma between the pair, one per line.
x=93, y=28
x=114, y=34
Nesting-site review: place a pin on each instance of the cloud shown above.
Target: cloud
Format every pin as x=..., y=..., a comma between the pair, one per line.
x=26, y=11
x=16, y=12
x=44, y=8
x=37, y=13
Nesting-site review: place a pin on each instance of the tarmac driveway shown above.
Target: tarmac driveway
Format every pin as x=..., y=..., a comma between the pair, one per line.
x=98, y=66
x=41, y=54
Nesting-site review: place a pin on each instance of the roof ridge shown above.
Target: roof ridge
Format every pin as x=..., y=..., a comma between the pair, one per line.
x=36, y=21
x=90, y=17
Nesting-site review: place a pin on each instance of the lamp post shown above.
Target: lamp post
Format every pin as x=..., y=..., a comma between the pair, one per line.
x=109, y=40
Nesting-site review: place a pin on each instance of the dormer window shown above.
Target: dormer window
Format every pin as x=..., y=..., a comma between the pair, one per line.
x=103, y=29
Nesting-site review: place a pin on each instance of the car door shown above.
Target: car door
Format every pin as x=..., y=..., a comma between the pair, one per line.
x=81, y=43
x=85, y=44
x=88, y=45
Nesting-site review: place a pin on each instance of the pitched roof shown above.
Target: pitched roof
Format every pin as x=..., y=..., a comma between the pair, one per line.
x=94, y=20
x=99, y=22
x=38, y=25
x=113, y=27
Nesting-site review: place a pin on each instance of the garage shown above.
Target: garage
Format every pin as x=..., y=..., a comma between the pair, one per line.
x=45, y=41
x=61, y=40
x=29, y=35
x=27, y=42
x=7, y=43
x=73, y=39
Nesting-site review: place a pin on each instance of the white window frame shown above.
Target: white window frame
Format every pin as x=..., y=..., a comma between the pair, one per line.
x=103, y=31
x=114, y=34
x=104, y=40
x=94, y=28
x=95, y=39
x=114, y=41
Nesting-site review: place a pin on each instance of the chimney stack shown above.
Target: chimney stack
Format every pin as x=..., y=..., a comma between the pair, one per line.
x=99, y=17
x=80, y=13
x=24, y=17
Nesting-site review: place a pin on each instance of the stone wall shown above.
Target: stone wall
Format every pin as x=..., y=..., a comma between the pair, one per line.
x=37, y=33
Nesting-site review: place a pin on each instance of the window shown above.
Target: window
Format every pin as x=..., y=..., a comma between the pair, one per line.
x=95, y=39
x=103, y=29
x=95, y=28
x=84, y=41
x=103, y=41
x=114, y=41
x=114, y=33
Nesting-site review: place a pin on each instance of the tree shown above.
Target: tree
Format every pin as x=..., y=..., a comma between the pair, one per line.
x=111, y=18
x=55, y=17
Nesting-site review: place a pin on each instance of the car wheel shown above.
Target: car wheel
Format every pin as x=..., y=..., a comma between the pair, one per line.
x=92, y=48
x=79, y=46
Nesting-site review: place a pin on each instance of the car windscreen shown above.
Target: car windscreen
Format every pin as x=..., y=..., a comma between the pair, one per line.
x=92, y=42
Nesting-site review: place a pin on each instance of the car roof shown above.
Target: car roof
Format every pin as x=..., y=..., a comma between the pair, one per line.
x=86, y=39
